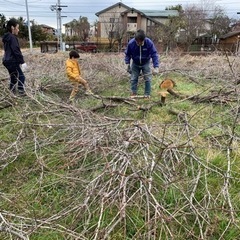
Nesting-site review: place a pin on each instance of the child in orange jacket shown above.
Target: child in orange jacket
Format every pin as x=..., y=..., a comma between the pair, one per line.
x=74, y=75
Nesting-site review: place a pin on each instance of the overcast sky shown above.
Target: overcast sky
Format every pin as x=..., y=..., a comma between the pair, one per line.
x=40, y=11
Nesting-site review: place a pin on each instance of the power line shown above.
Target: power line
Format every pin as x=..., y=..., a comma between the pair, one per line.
x=87, y=8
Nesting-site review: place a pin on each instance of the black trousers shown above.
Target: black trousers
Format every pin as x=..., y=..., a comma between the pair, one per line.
x=17, y=78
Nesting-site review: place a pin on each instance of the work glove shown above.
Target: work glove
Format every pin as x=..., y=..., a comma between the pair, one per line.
x=155, y=71
x=129, y=70
x=24, y=67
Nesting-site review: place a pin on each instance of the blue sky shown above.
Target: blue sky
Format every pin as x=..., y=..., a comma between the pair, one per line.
x=40, y=11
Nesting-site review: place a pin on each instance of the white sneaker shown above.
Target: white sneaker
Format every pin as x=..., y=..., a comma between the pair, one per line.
x=147, y=97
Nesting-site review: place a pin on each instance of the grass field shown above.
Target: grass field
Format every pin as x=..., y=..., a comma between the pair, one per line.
x=110, y=167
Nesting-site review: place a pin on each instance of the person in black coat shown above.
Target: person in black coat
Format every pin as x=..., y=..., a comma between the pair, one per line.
x=13, y=59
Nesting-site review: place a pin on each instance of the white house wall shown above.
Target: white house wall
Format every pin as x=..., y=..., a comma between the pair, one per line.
x=104, y=19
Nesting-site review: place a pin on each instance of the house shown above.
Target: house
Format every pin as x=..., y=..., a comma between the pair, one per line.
x=110, y=19
x=47, y=29
x=230, y=42
x=120, y=18
x=204, y=42
x=70, y=29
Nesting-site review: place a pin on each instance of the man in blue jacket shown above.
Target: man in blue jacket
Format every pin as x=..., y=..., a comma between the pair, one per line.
x=141, y=50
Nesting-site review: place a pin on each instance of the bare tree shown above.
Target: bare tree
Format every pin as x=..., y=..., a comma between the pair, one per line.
x=220, y=22
x=115, y=31
x=192, y=22
x=167, y=33
x=195, y=24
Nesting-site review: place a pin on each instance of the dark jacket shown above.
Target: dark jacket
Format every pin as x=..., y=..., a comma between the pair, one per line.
x=141, y=54
x=12, y=52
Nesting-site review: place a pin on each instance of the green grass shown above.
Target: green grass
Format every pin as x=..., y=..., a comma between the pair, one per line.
x=61, y=162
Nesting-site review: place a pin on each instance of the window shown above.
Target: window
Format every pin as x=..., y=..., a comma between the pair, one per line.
x=112, y=34
x=114, y=20
x=132, y=20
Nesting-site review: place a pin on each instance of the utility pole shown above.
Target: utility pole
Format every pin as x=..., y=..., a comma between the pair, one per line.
x=29, y=27
x=58, y=8
x=238, y=41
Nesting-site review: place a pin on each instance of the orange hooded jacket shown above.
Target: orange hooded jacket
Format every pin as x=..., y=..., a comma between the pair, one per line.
x=72, y=69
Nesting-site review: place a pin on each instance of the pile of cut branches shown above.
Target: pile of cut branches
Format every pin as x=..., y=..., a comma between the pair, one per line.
x=69, y=172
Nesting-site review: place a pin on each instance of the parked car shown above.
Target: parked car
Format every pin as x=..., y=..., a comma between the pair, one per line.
x=87, y=47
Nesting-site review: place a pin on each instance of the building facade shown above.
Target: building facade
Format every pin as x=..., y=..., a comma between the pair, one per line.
x=120, y=19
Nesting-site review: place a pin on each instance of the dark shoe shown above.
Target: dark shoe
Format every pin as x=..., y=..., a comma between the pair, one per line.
x=22, y=94
x=133, y=95
x=13, y=92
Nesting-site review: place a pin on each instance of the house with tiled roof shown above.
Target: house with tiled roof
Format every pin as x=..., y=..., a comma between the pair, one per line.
x=122, y=18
